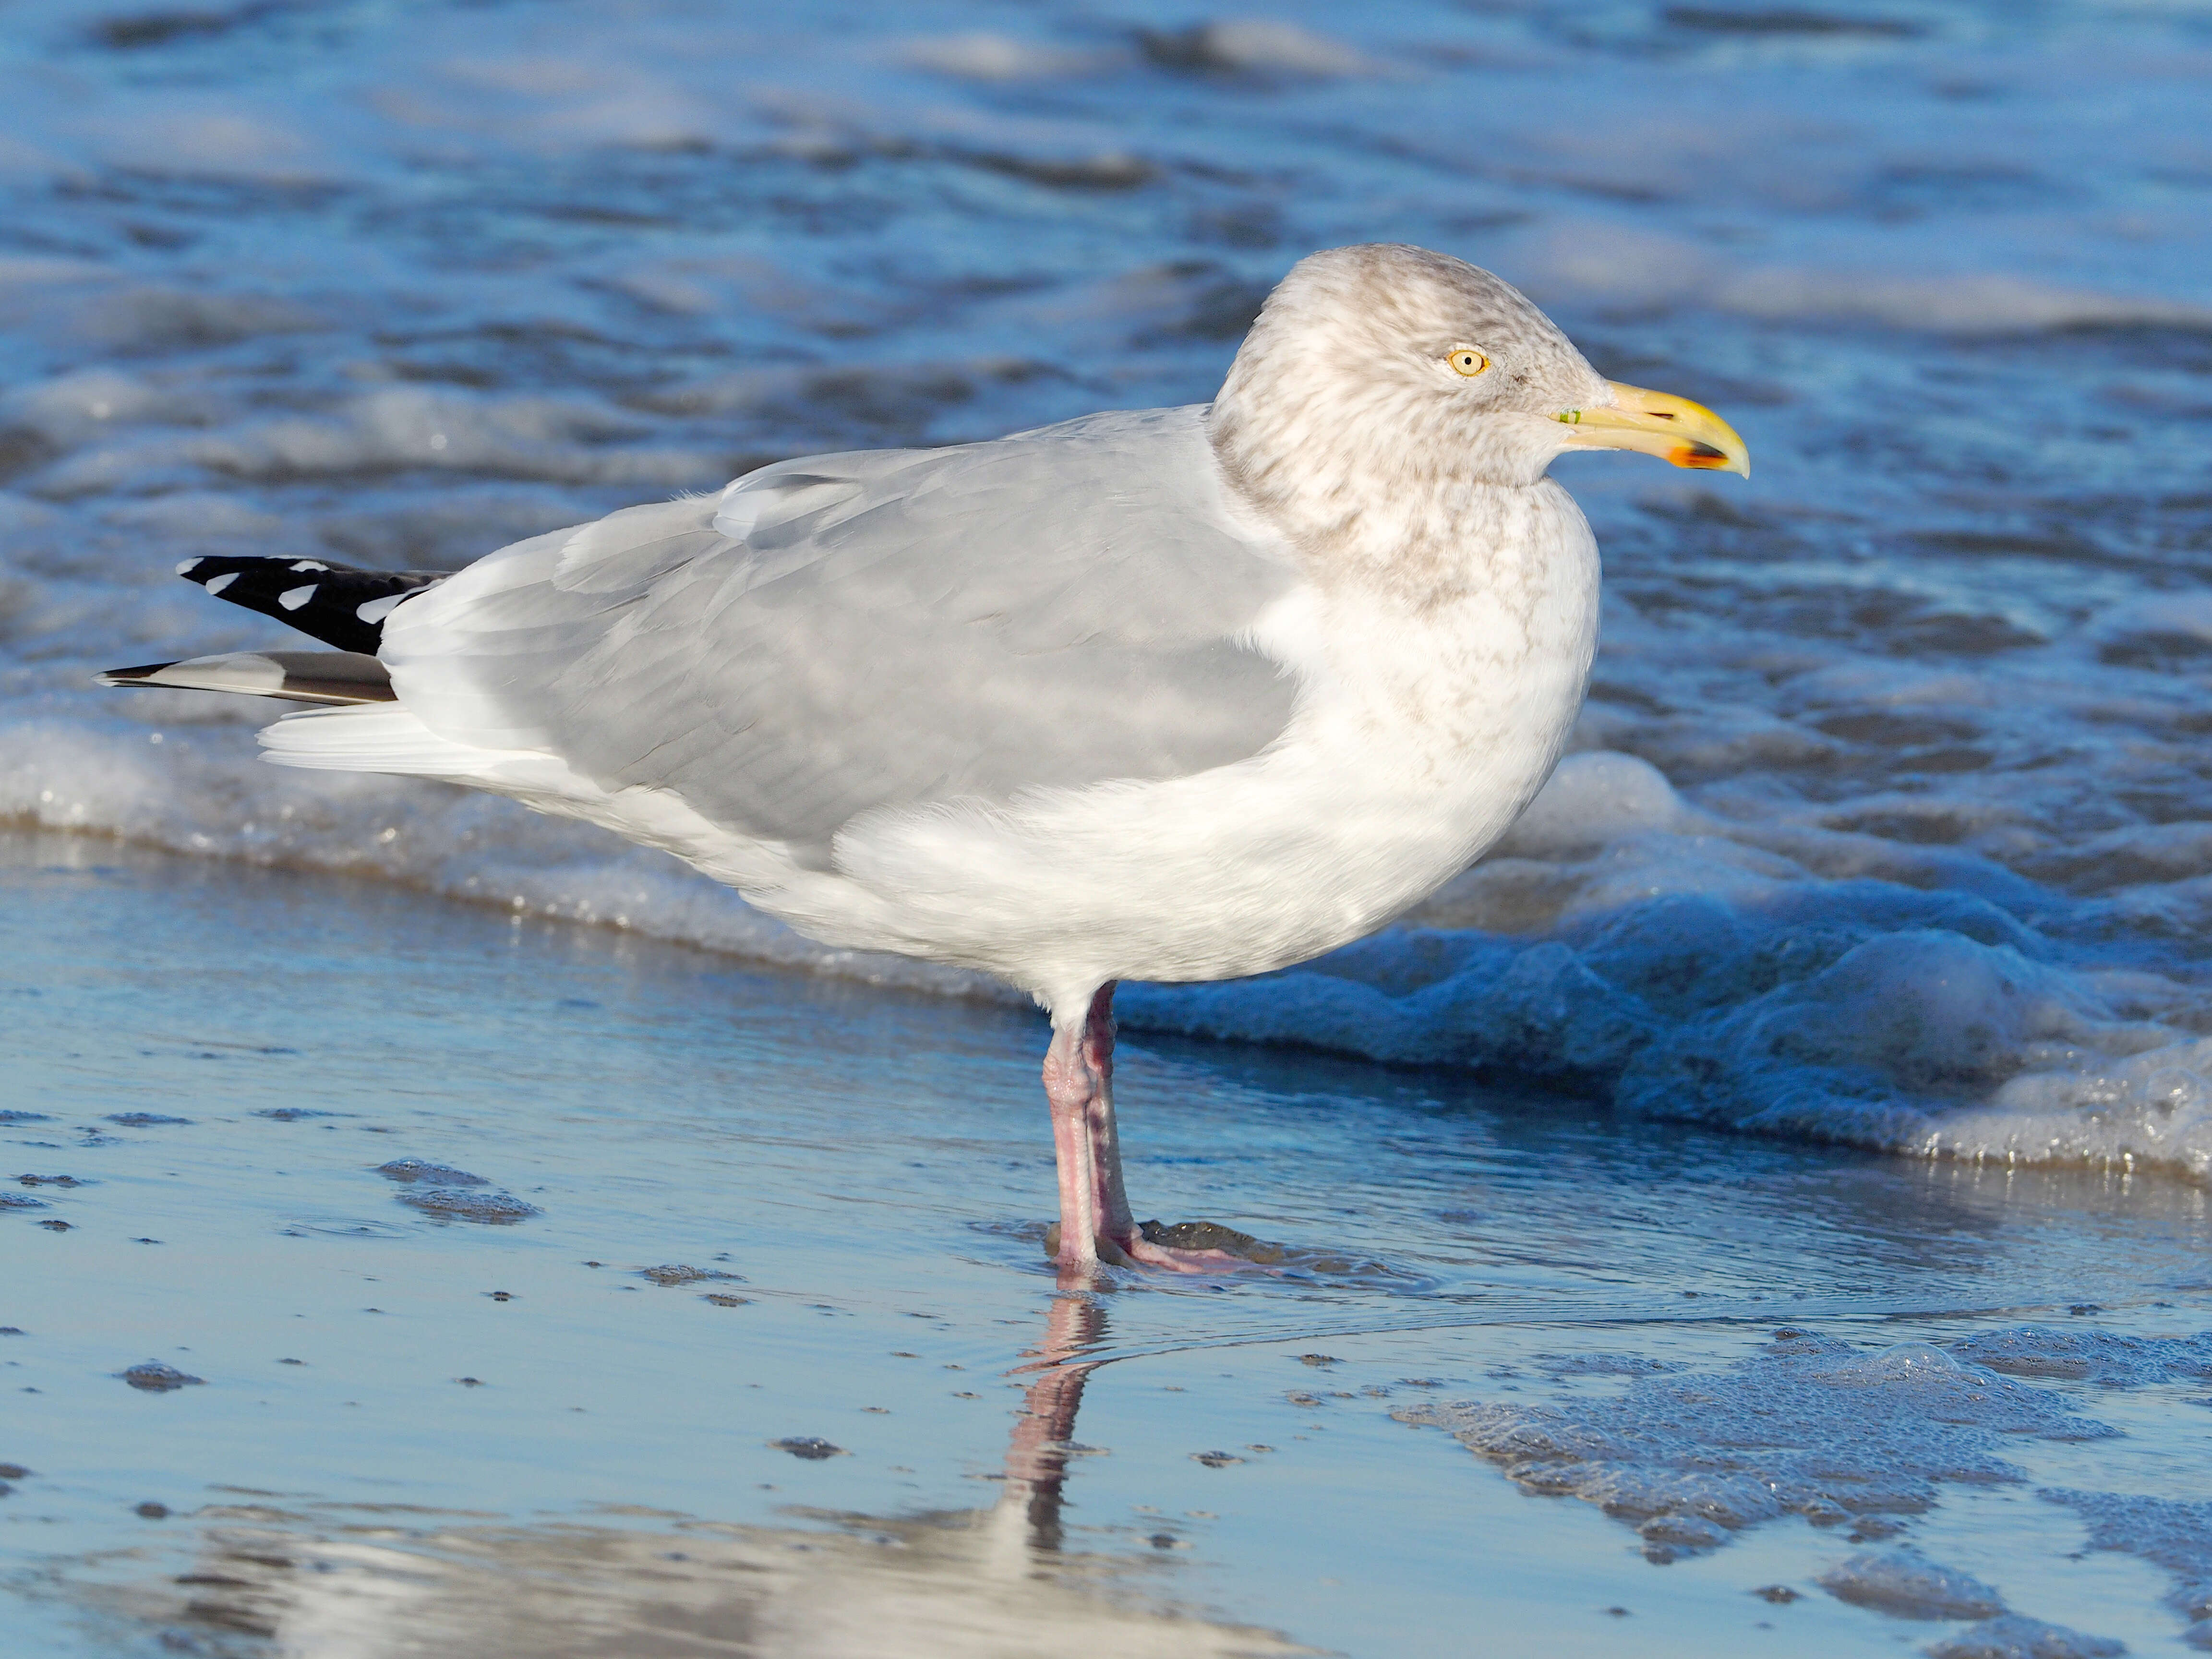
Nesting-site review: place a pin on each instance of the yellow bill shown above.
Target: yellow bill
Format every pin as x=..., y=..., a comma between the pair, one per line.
x=1659, y=424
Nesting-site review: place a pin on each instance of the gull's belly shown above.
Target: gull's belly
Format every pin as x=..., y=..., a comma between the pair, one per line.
x=1347, y=828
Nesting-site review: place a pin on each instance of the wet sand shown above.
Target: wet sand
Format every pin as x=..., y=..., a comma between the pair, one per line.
x=550, y=1291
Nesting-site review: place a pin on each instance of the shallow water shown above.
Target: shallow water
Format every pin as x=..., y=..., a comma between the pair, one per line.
x=547, y=1436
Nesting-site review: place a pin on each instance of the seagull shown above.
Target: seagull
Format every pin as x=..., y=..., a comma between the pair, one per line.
x=1161, y=694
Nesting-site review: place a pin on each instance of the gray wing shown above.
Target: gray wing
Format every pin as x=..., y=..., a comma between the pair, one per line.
x=884, y=628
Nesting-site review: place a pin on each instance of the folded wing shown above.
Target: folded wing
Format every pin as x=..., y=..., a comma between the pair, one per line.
x=883, y=630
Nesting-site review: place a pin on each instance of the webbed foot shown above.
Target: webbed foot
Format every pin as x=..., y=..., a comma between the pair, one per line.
x=1188, y=1247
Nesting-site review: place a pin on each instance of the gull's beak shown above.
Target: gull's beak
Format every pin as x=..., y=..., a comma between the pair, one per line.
x=1674, y=429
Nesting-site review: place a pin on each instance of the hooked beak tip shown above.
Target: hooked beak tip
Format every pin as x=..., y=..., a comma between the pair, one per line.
x=1676, y=431
x=1706, y=457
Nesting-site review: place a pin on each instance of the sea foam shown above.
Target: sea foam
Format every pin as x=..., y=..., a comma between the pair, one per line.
x=1806, y=1426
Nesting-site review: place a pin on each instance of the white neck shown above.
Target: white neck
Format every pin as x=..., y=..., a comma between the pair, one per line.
x=1359, y=506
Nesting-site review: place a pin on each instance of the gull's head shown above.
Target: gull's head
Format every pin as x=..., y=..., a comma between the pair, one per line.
x=1391, y=366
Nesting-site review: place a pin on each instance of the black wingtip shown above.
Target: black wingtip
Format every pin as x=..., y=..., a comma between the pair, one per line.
x=333, y=603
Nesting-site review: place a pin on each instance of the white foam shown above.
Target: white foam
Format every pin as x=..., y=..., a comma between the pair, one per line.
x=1806, y=1426
x=2011, y=1636
x=1623, y=266
x=184, y=135
x=1266, y=44
x=2172, y=1535
x=1901, y=1582
x=78, y=408
x=2185, y=616
x=986, y=56
x=1578, y=257
x=565, y=441
x=2108, y=1359
x=203, y=791
x=1592, y=798
x=42, y=271
x=1963, y=303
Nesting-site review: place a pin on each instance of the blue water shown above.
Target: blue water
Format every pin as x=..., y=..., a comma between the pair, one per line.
x=1911, y=722
x=1887, y=826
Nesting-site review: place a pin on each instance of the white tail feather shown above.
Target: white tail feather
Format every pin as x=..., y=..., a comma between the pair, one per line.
x=389, y=740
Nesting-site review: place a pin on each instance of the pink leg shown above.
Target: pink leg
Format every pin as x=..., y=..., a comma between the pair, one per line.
x=1114, y=1220
x=1095, y=1220
x=1072, y=1084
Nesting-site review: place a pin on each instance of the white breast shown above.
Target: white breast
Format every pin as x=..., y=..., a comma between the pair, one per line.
x=1423, y=730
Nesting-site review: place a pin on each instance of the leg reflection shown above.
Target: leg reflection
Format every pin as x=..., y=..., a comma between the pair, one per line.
x=1036, y=1459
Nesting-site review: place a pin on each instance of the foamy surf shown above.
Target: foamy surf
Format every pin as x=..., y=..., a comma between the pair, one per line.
x=1688, y=974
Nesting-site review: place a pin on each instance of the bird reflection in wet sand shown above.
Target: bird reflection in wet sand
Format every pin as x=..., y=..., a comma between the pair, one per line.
x=994, y=1583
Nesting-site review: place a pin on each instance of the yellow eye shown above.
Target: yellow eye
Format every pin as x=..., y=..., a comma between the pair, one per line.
x=1466, y=360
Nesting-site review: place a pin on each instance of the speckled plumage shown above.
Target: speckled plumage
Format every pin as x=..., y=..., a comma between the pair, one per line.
x=1342, y=424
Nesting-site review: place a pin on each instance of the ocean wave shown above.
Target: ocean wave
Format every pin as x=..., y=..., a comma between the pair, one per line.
x=1969, y=303
x=1755, y=995
x=1622, y=267
x=562, y=440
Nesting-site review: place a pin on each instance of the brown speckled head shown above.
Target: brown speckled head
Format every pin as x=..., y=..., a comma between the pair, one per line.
x=1399, y=365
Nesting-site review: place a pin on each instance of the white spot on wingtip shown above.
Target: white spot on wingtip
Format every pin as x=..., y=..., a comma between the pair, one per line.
x=309, y=564
x=188, y=567
x=292, y=598
x=216, y=584
x=376, y=611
